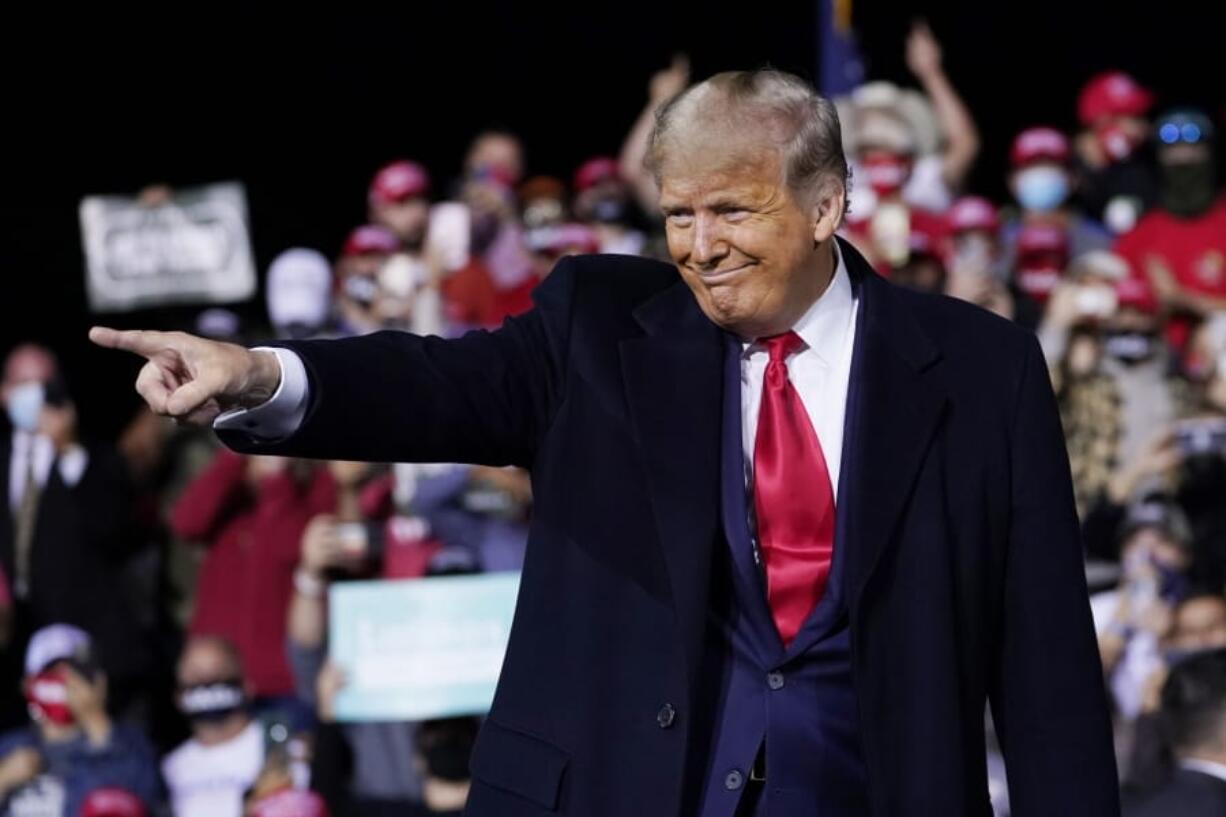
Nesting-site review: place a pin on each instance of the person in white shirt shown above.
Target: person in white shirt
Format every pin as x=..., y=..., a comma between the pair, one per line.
x=208, y=774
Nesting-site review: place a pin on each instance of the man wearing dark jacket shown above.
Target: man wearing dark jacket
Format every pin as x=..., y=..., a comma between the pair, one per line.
x=793, y=527
x=1194, y=714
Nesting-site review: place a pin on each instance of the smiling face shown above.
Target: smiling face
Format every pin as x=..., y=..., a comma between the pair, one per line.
x=754, y=255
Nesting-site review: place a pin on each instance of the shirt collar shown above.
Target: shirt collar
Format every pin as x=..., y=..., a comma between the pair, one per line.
x=824, y=324
x=1208, y=767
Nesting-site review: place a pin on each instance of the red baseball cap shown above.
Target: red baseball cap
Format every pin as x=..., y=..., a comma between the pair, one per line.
x=1112, y=93
x=399, y=181
x=559, y=238
x=927, y=235
x=370, y=239
x=112, y=803
x=1039, y=145
x=1042, y=255
x=1134, y=292
x=596, y=170
x=291, y=803
x=1037, y=239
x=972, y=213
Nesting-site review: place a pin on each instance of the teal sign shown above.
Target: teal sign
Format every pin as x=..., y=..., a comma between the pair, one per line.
x=420, y=648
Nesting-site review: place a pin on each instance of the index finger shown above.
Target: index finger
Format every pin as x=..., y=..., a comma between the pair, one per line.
x=139, y=341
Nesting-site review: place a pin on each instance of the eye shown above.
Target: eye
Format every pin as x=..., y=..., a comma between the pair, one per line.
x=734, y=215
x=681, y=220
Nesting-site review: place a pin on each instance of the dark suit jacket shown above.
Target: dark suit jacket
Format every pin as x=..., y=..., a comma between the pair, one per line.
x=82, y=535
x=964, y=569
x=1188, y=794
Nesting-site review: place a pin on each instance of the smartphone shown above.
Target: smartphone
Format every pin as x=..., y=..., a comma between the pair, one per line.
x=448, y=233
x=353, y=538
x=890, y=230
x=277, y=734
x=1096, y=301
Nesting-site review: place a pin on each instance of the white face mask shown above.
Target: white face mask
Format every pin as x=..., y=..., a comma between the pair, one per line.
x=25, y=405
x=1042, y=189
x=972, y=255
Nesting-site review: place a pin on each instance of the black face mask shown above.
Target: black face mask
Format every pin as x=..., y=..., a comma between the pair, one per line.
x=448, y=759
x=1188, y=188
x=1204, y=480
x=361, y=289
x=609, y=211
x=1129, y=346
x=483, y=230
x=214, y=701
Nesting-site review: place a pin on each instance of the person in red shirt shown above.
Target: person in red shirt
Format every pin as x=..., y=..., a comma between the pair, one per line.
x=250, y=512
x=398, y=201
x=366, y=251
x=1180, y=246
x=549, y=245
x=972, y=256
x=1112, y=162
x=1043, y=183
x=883, y=235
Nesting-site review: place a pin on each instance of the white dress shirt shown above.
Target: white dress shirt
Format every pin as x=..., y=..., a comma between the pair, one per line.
x=820, y=372
x=280, y=415
x=1208, y=767
x=27, y=446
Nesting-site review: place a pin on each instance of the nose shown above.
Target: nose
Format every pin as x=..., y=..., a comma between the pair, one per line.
x=709, y=247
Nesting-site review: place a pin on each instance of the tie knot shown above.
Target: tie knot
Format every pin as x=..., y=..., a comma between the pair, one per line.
x=780, y=346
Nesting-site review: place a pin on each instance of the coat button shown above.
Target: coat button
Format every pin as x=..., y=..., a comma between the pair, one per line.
x=666, y=716
x=733, y=780
x=775, y=680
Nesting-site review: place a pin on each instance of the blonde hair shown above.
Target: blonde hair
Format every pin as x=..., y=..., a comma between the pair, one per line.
x=781, y=106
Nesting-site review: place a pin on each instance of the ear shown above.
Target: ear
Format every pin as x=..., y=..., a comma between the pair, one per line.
x=828, y=212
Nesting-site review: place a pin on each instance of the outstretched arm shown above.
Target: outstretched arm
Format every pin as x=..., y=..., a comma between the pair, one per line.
x=388, y=397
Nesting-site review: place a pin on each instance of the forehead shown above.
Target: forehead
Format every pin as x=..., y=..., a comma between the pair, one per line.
x=205, y=656
x=706, y=172
x=29, y=363
x=495, y=143
x=1202, y=612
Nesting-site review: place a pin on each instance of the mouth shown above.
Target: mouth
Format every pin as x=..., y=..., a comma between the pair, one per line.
x=715, y=277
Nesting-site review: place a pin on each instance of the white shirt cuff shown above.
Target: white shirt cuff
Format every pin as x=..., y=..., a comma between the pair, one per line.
x=280, y=415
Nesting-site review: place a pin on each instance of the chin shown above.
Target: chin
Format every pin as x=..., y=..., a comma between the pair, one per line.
x=742, y=314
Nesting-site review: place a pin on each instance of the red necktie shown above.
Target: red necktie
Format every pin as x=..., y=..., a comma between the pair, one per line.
x=793, y=499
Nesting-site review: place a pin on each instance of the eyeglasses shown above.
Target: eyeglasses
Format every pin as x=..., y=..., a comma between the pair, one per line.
x=1173, y=132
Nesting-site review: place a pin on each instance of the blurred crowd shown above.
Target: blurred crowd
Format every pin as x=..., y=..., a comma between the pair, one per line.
x=163, y=604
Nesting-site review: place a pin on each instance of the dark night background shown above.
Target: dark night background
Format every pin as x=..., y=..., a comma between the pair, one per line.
x=303, y=111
